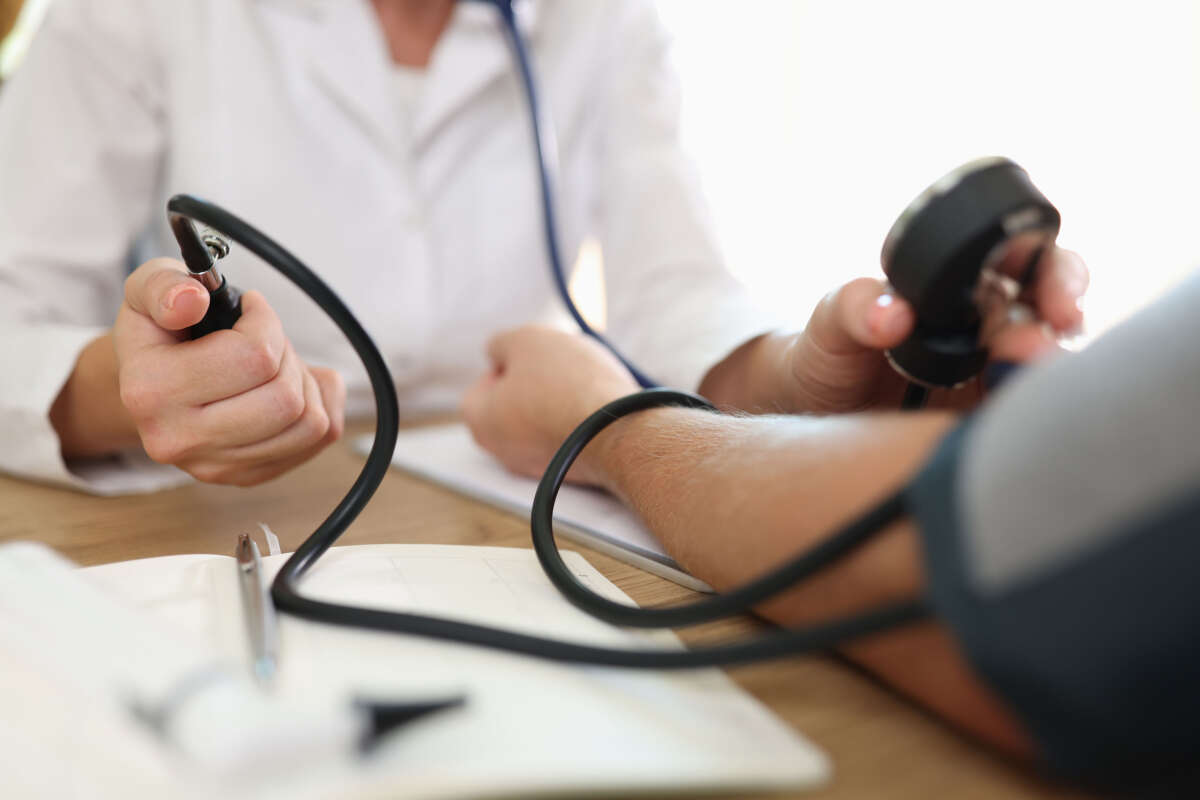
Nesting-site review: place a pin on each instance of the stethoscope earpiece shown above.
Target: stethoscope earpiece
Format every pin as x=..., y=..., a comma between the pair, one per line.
x=984, y=218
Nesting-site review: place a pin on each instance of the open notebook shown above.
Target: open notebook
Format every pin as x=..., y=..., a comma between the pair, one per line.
x=528, y=728
x=447, y=455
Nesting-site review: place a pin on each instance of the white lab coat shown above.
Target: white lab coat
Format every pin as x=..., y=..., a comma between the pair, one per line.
x=283, y=111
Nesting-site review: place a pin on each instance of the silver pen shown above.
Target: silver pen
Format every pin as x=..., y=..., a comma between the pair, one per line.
x=260, y=613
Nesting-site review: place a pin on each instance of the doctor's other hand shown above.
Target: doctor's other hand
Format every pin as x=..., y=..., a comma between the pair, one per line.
x=234, y=407
x=542, y=384
x=836, y=364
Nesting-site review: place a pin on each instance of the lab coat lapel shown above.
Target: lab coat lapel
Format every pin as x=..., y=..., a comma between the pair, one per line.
x=349, y=61
x=472, y=53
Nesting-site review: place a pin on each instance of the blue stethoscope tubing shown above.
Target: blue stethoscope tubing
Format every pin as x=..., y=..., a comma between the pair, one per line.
x=546, y=157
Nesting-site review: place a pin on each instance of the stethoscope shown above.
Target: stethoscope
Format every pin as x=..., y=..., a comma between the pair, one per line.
x=976, y=221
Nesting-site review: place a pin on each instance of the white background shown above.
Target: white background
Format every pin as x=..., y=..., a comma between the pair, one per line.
x=815, y=123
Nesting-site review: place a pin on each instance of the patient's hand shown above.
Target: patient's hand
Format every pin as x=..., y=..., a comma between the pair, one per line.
x=542, y=384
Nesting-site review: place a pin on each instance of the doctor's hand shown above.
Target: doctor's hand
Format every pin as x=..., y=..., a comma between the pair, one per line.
x=836, y=364
x=235, y=407
x=542, y=384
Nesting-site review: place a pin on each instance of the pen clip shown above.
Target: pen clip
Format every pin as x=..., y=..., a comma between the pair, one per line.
x=245, y=552
x=259, y=612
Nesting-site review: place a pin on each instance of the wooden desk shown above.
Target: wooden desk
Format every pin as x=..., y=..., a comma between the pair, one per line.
x=881, y=746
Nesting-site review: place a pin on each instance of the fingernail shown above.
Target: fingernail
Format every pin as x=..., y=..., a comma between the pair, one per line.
x=886, y=319
x=176, y=294
x=877, y=317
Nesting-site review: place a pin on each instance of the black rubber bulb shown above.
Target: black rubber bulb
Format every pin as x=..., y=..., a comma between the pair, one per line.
x=984, y=215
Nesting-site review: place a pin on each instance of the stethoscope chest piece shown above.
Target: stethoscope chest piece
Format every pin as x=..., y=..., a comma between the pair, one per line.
x=984, y=218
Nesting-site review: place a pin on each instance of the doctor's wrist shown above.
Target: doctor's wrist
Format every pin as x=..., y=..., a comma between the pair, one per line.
x=88, y=415
x=756, y=377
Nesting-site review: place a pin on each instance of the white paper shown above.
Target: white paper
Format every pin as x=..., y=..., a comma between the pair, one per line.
x=447, y=455
x=528, y=727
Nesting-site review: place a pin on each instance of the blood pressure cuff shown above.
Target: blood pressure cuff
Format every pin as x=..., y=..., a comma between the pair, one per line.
x=1061, y=532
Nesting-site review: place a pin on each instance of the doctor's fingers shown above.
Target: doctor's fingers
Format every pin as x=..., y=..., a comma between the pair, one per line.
x=321, y=424
x=1013, y=333
x=862, y=315
x=333, y=395
x=261, y=412
x=182, y=434
x=162, y=290
x=252, y=474
x=223, y=364
x=253, y=463
x=135, y=332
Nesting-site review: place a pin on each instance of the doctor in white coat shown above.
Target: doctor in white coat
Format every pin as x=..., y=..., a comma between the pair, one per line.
x=386, y=143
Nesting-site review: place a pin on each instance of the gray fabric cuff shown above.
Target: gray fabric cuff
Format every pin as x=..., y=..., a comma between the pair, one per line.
x=1097, y=657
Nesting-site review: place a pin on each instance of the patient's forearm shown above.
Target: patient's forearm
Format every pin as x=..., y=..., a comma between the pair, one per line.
x=732, y=497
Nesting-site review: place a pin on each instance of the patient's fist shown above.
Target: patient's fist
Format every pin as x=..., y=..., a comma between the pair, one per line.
x=542, y=384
